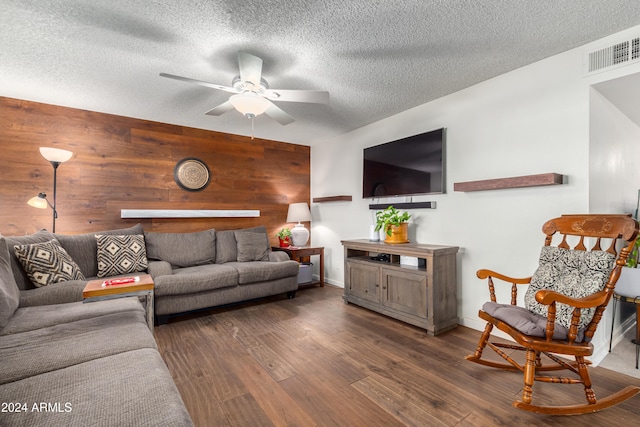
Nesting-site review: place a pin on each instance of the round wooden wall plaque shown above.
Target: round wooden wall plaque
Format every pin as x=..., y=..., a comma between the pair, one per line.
x=192, y=174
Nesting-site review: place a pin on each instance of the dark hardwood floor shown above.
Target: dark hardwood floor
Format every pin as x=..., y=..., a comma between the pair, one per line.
x=314, y=360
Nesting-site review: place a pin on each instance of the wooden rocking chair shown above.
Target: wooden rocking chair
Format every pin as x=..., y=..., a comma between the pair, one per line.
x=565, y=300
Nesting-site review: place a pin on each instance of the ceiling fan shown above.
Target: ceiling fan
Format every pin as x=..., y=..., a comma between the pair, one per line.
x=252, y=95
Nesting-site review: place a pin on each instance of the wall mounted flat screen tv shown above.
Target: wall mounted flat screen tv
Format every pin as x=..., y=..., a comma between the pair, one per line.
x=407, y=166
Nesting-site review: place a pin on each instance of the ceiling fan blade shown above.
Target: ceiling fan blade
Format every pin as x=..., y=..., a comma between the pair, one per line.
x=200, y=82
x=220, y=109
x=286, y=95
x=278, y=115
x=250, y=68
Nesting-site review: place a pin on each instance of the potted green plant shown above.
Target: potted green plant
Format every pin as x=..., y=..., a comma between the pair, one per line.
x=394, y=224
x=284, y=236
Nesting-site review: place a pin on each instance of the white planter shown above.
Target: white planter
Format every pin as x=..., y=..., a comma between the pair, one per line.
x=628, y=284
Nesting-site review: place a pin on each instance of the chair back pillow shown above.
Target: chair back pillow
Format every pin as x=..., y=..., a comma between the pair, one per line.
x=573, y=273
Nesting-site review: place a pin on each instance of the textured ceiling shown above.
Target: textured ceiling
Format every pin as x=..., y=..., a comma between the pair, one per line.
x=376, y=58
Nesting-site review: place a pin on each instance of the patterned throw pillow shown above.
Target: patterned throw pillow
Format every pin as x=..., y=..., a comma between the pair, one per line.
x=572, y=273
x=120, y=254
x=47, y=263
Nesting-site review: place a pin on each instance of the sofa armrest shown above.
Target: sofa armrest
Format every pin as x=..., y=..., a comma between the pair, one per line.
x=57, y=293
x=278, y=256
x=159, y=268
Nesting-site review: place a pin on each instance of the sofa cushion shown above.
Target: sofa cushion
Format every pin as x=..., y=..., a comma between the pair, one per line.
x=9, y=292
x=226, y=246
x=159, y=268
x=133, y=388
x=196, y=279
x=47, y=349
x=43, y=316
x=60, y=293
x=83, y=248
x=22, y=278
x=259, y=271
x=573, y=273
x=120, y=254
x=251, y=246
x=182, y=249
x=47, y=263
x=527, y=322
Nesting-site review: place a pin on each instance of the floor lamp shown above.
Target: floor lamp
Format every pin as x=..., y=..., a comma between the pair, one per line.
x=56, y=157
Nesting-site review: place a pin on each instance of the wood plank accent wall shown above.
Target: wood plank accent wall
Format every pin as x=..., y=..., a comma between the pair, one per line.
x=126, y=163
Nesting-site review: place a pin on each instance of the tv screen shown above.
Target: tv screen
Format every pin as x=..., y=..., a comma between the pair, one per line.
x=407, y=166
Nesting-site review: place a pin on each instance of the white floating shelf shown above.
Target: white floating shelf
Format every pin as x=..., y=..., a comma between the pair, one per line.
x=187, y=213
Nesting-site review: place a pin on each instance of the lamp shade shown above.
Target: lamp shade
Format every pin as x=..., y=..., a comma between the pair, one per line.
x=249, y=103
x=55, y=154
x=39, y=201
x=298, y=212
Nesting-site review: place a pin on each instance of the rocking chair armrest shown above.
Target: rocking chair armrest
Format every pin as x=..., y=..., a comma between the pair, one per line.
x=484, y=273
x=547, y=297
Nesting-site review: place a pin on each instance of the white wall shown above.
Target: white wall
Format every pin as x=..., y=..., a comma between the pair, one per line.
x=615, y=181
x=529, y=121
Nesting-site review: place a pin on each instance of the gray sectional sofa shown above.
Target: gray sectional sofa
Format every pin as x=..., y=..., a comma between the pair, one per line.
x=68, y=363
x=210, y=268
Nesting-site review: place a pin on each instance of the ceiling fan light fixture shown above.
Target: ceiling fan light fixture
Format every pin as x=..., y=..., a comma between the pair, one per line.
x=249, y=104
x=241, y=86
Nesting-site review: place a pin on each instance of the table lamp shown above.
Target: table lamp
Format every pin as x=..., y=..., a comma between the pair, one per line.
x=299, y=212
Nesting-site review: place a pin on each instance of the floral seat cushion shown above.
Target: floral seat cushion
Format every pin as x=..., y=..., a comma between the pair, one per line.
x=573, y=273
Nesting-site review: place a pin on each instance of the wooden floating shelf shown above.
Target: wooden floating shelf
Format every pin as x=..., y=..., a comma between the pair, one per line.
x=513, y=182
x=410, y=205
x=187, y=213
x=332, y=199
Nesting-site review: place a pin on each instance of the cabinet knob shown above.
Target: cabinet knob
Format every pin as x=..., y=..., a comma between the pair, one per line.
x=377, y=286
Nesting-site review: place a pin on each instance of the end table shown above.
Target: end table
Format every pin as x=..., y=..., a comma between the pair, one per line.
x=302, y=254
x=94, y=291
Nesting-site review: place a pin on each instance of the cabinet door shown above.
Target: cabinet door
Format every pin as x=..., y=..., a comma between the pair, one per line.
x=364, y=281
x=405, y=291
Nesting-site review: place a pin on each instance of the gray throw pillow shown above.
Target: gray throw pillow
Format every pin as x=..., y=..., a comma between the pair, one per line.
x=252, y=246
x=226, y=246
x=47, y=263
x=182, y=249
x=9, y=292
x=120, y=254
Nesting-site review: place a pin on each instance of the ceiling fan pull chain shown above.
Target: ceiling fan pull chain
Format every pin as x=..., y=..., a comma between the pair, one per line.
x=252, y=119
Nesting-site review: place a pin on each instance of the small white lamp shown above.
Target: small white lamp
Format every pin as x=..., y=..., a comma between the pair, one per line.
x=299, y=212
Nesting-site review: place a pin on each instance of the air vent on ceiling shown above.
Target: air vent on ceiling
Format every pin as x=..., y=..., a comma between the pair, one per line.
x=612, y=56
